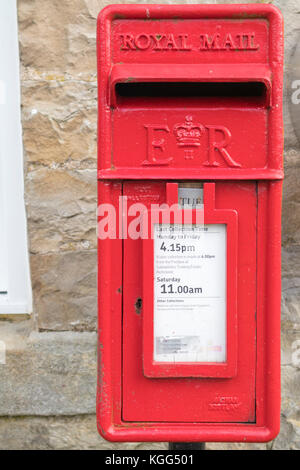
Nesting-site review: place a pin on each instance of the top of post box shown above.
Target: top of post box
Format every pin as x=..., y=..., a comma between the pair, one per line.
x=190, y=91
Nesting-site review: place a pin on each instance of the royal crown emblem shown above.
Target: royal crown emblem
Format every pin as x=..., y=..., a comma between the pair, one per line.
x=188, y=134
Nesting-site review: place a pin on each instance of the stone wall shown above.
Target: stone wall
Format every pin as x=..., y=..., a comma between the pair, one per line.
x=47, y=386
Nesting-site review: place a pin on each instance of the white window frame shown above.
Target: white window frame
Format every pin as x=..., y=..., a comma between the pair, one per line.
x=15, y=284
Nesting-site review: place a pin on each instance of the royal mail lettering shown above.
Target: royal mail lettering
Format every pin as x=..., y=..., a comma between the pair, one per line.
x=228, y=42
x=244, y=41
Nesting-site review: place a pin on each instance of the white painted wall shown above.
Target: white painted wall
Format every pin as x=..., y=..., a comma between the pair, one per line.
x=14, y=265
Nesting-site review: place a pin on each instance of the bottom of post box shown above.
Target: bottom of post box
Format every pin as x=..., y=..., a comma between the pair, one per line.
x=193, y=433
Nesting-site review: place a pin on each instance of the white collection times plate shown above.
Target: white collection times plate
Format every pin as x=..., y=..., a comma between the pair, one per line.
x=190, y=293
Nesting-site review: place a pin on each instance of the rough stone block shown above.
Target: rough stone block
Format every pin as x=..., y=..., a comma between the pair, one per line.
x=48, y=373
x=61, y=208
x=60, y=433
x=65, y=290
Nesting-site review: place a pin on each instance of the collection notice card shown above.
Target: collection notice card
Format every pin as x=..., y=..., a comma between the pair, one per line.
x=190, y=293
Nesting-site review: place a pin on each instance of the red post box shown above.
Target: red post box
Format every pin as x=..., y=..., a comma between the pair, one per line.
x=190, y=180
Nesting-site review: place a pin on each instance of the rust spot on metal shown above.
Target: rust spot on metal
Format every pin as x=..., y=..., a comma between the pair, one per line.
x=118, y=16
x=138, y=305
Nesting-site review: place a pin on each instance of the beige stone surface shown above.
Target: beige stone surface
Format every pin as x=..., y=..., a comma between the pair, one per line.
x=61, y=209
x=60, y=123
x=65, y=286
x=51, y=368
x=47, y=374
x=291, y=201
x=59, y=433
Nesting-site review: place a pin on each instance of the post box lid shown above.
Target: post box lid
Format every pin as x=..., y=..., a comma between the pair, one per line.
x=190, y=44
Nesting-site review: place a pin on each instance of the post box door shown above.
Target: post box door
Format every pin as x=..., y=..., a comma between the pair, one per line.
x=191, y=399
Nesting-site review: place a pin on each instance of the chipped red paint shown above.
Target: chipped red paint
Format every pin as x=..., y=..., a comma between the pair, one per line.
x=233, y=144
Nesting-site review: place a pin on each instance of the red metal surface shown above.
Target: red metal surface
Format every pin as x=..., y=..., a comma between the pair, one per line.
x=238, y=149
x=188, y=400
